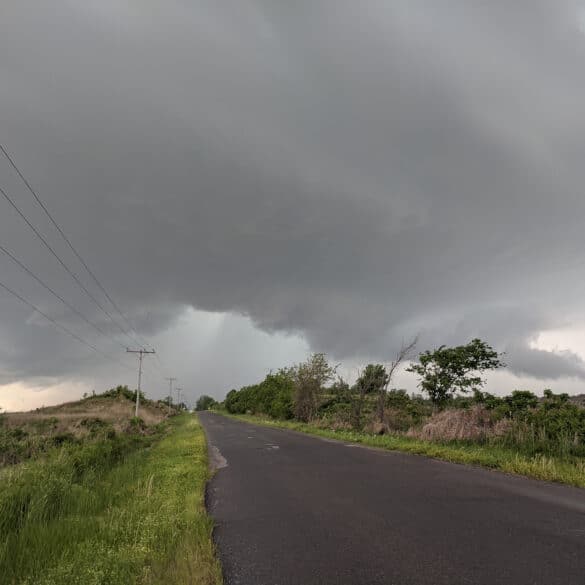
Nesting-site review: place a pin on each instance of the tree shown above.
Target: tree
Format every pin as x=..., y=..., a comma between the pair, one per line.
x=371, y=380
x=278, y=389
x=273, y=396
x=309, y=378
x=205, y=402
x=404, y=354
x=447, y=370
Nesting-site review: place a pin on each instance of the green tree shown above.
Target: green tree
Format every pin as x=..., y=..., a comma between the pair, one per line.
x=448, y=370
x=273, y=396
x=309, y=378
x=372, y=380
x=279, y=389
x=205, y=402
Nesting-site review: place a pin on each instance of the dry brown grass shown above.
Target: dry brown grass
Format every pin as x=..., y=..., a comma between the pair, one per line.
x=474, y=424
x=68, y=417
x=335, y=425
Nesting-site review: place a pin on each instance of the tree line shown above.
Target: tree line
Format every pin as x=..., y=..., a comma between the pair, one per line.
x=302, y=390
x=451, y=381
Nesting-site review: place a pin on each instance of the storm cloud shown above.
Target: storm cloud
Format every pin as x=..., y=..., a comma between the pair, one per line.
x=348, y=173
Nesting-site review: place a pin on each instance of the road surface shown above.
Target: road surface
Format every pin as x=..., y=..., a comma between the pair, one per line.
x=291, y=509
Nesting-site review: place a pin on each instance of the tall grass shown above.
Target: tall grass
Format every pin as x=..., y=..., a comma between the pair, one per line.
x=113, y=512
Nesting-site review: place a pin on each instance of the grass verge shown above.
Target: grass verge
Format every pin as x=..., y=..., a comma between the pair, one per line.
x=569, y=470
x=111, y=514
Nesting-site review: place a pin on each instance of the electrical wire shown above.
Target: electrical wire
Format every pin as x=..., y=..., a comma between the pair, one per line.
x=65, y=267
x=69, y=243
x=57, y=295
x=62, y=327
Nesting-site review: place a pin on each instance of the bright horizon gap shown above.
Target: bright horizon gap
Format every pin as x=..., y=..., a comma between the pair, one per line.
x=19, y=396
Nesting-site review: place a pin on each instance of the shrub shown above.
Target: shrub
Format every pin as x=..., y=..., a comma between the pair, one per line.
x=45, y=425
x=97, y=427
x=136, y=426
x=560, y=420
x=121, y=391
x=62, y=438
x=272, y=397
x=472, y=424
x=205, y=403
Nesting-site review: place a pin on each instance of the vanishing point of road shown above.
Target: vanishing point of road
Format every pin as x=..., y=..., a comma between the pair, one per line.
x=291, y=509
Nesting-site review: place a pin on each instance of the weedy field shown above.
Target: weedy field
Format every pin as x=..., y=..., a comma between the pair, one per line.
x=120, y=503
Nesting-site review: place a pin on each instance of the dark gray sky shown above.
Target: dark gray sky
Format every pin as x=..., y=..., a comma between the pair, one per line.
x=252, y=179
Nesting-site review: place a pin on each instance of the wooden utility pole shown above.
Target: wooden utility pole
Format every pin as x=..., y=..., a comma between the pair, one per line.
x=171, y=380
x=141, y=353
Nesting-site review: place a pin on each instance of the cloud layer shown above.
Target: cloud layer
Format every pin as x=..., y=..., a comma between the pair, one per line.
x=353, y=174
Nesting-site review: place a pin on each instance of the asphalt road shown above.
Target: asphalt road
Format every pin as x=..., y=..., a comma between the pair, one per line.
x=296, y=510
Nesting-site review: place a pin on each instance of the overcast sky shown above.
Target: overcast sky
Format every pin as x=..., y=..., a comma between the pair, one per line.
x=253, y=180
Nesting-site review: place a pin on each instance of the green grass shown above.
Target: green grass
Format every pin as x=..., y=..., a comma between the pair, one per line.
x=569, y=470
x=116, y=512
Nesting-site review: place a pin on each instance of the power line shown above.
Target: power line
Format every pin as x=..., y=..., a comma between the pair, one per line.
x=57, y=295
x=68, y=241
x=65, y=267
x=62, y=327
x=160, y=364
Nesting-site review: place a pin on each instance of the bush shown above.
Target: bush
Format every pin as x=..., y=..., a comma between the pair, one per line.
x=549, y=425
x=205, y=403
x=472, y=424
x=97, y=427
x=136, y=426
x=516, y=406
x=560, y=421
x=121, y=391
x=62, y=438
x=17, y=444
x=272, y=397
x=336, y=413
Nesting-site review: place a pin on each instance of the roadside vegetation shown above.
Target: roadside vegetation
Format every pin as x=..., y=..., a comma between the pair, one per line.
x=452, y=418
x=25, y=435
x=205, y=403
x=117, y=500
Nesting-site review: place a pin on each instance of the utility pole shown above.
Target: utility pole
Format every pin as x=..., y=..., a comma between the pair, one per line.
x=171, y=380
x=141, y=353
x=179, y=392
